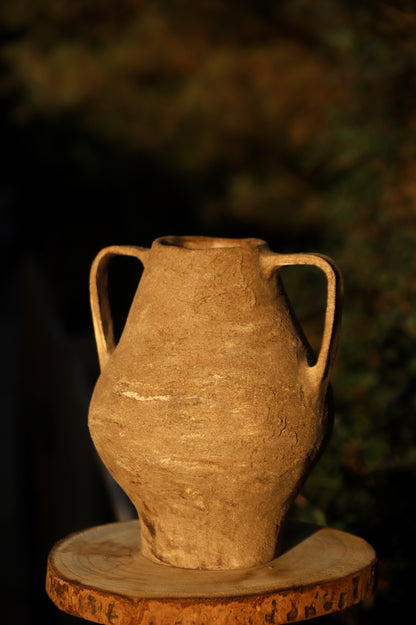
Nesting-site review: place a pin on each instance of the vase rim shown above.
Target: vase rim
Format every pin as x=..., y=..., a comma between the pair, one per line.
x=203, y=243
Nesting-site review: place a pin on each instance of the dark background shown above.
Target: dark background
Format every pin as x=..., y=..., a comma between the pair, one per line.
x=121, y=122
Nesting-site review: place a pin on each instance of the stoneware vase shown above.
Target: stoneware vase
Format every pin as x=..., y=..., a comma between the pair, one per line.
x=211, y=410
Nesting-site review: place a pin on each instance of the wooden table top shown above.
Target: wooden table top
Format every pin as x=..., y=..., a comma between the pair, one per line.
x=100, y=575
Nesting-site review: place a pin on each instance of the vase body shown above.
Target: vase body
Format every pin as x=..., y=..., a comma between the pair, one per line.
x=210, y=412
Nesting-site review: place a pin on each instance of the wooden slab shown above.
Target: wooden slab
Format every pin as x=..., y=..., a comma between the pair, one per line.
x=99, y=574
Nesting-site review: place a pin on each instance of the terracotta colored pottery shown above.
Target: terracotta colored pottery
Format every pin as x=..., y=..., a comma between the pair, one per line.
x=211, y=410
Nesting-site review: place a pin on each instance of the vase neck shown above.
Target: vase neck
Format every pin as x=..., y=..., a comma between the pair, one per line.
x=206, y=253
x=207, y=244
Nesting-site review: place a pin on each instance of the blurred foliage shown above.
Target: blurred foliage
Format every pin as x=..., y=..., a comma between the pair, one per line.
x=294, y=121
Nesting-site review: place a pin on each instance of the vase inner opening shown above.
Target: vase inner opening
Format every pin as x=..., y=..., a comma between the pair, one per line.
x=205, y=243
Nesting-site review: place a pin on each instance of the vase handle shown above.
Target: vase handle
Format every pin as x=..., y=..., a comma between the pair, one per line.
x=321, y=370
x=100, y=305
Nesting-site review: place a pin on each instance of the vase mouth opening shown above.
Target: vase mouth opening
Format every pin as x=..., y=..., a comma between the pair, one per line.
x=208, y=243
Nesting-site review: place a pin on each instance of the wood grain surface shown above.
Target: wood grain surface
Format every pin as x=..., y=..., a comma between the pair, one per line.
x=100, y=574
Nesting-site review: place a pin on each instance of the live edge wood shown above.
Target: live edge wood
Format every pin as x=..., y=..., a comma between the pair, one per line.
x=99, y=574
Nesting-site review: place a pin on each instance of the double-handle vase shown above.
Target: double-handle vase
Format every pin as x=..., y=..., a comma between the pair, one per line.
x=211, y=409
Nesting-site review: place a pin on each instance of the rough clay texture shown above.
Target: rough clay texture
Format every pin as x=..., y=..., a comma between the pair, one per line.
x=208, y=412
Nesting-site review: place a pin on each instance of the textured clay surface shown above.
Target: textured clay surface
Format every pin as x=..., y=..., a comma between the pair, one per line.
x=210, y=412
